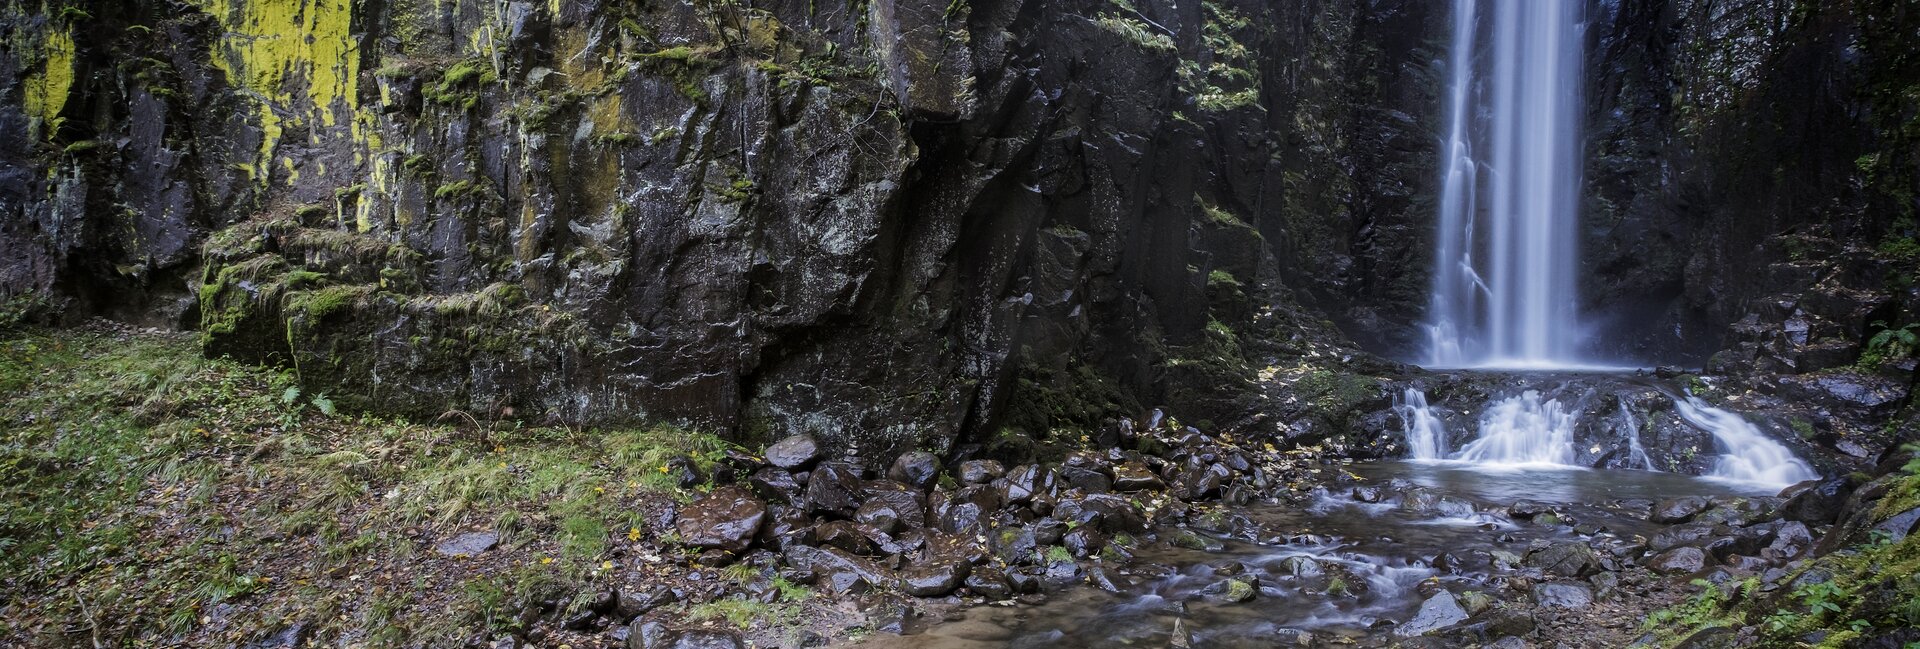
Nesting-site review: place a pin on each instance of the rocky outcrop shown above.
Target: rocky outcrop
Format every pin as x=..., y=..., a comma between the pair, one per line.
x=888, y=225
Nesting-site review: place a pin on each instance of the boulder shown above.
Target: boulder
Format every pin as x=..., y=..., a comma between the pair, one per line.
x=1678, y=561
x=1677, y=510
x=1563, y=596
x=917, y=469
x=726, y=519
x=1438, y=612
x=979, y=472
x=935, y=580
x=839, y=571
x=793, y=452
x=1566, y=559
x=833, y=489
x=1135, y=476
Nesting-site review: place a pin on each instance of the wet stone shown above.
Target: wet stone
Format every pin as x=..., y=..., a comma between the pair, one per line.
x=725, y=519
x=1135, y=476
x=1230, y=591
x=634, y=603
x=1677, y=510
x=988, y=582
x=1438, y=612
x=979, y=472
x=469, y=544
x=833, y=488
x=1191, y=540
x=1681, y=560
x=935, y=580
x=917, y=469
x=1563, y=596
x=793, y=452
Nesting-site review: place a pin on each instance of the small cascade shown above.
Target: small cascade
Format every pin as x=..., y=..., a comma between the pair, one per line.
x=1636, y=454
x=1523, y=429
x=1746, y=454
x=1426, y=434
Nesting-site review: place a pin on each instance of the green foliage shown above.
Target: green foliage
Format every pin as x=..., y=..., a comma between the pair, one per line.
x=1135, y=31
x=1889, y=344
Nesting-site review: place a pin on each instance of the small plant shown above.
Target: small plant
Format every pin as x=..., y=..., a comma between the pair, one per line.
x=1890, y=344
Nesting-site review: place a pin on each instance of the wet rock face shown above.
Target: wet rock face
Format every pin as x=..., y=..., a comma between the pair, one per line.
x=839, y=226
x=726, y=519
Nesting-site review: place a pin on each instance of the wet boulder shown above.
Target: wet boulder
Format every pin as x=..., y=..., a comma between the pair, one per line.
x=774, y=484
x=1184, y=538
x=1012, y=544
x=835, y=569
x=1438, y=612
x=1567, y=559
x=989, y=582
x=1084, y=542
x=1818, y=503
x=1086, y=480
x=1677, y=510
x=891, y=506
x=726, y=519
x=1562, y=596
x=1679, y=561
x=1231, y=590
x=934, y=580
x=1135, y=476
x=833, y=489
x=917, y=469
x=1021, y=484
x=793, y=452
x=633, y=602
x=979, y=472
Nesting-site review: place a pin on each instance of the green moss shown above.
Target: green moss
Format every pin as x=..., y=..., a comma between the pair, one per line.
x=319, y=303
x=1135, y=31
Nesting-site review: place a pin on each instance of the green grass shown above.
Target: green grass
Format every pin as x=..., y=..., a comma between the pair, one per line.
x=142, y=485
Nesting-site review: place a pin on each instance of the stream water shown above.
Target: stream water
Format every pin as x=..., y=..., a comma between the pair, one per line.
x=1339, y=569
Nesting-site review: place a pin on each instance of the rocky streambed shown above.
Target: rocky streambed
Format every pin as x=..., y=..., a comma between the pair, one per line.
x=1173, y=536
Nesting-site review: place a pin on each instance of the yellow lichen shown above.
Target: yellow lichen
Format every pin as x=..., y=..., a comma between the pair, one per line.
x=46, y=90
x=273, y=48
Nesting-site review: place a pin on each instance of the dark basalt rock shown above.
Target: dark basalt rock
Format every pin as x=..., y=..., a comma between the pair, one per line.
x=726, y=519
x=635, y=603
x=935, y=580
x=837, y=570
x=979, y=472
x=1677, y=510
x=1135, y=476
x=1679, y=561
x=794, y=452
x=989, y=582
x=1562, y=596
x=774, y=484
x=917, y=469
x=1567, y=559
x=833, y=489
x=1816, y=504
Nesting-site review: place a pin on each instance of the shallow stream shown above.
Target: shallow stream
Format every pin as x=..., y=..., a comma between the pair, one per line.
x=1337, y=568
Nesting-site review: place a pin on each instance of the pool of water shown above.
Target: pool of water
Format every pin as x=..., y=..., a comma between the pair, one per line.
x=1336, y=567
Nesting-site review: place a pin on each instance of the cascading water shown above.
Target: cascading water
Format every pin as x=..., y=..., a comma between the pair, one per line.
x=1505, y=251
x=1746, y=455
x=1426, y=435
x=1523, y=429
x=1636, y=454
x=1503, y=284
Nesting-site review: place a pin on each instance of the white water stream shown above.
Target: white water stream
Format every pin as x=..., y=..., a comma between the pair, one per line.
x=1504, y=285
x=1746, y=455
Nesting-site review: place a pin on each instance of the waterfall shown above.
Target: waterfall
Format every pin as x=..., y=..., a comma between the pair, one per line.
x=1523, y=429
x=1746, y=454
x=1426, y=434
x=1636, y=454
x=1503, y=278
